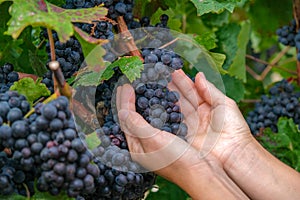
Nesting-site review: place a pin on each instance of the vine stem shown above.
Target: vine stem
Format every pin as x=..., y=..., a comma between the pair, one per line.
x=127, y=38
x=24, y=75
x=52, y=46
x=296, y=13
x=274, y=62
x=58, y=77
x=255, y=75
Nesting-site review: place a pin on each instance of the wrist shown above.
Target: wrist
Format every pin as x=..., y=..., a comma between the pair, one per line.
x=253, y=168
x=203, y=179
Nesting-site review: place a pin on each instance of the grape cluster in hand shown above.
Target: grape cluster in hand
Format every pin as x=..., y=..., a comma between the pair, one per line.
x=120, y=177
x=154, y=101
x=282, y=101
x=7, y=77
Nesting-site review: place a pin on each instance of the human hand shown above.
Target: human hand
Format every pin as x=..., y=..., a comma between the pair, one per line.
x=156, y=150
x=215, y=123
x=172, y=157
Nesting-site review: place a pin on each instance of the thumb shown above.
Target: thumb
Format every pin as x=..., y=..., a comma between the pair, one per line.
x=208, y=91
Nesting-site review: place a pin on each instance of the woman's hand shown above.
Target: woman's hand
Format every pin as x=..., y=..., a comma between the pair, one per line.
x=215, y=123
x=171, y=157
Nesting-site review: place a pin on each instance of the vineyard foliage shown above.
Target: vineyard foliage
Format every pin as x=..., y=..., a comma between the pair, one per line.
x=237, y=36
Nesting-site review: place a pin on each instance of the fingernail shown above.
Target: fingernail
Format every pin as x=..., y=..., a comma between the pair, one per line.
x=123, y=114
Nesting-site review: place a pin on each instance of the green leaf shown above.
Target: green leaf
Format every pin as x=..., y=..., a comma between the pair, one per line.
x=46, y=196
x=215, y=6
x=207, y=39
x=214, y=19
x=91, y=78
x=21, y=52
x=266, y=16
x=92, y=140
x=233, y=40
x=13, y=197
x=234, y=88
x=218, y=59
x=130, y=66
x=289, y=128
x=167, y=191
x=173, y=22
x=30, y=89
x=41, y=13
x=238, y=66
x=94, y=65
x=284, y=144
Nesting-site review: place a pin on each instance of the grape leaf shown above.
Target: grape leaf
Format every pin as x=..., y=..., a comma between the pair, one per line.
x=30, y=89
x=167, y=190
x=92, y=140
x=207, y=39
x=94, y=65
x=234, y=87
x=238, y=66
x=265, y=19
x=13, y=197
x=218, y=59
x=284, y=144
x=91, y=78
x=46, y=196
x=88, y=43
x=20, y=52
x=215, y=6
x=233, y=39
x=41, y=13
x=130, y=66
x=214, y=19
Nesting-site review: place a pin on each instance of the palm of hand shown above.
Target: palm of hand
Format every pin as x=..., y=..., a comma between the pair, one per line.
x=214, y=121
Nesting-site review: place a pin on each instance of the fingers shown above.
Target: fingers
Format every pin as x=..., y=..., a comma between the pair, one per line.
x=125, y=97
x=153, y=148
x=208, y=92
x=185, y=86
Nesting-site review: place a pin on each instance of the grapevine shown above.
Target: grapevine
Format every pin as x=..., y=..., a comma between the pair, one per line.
x=61, y=62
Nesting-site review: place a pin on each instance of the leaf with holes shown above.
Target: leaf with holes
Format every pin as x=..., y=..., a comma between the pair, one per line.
x=41, y=13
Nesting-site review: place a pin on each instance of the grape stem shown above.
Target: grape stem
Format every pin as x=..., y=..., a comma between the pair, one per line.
x=266, y=63
x=52, y=46
x=126, y=35
x=27, y=190
x=24, y=75
x=296, y=13
x=274, y=62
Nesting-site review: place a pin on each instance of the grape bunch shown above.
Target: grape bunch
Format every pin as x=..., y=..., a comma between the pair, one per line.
x=56, y=151
x=287, y=34
x=120, y=177
x=69, y=55
x=7, y=77
x=154, y=101
x=115, y=7
x=14, y=128
x=282, y=101
x=13, y=177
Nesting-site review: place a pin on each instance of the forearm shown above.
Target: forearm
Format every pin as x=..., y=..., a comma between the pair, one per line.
x=262, y=176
